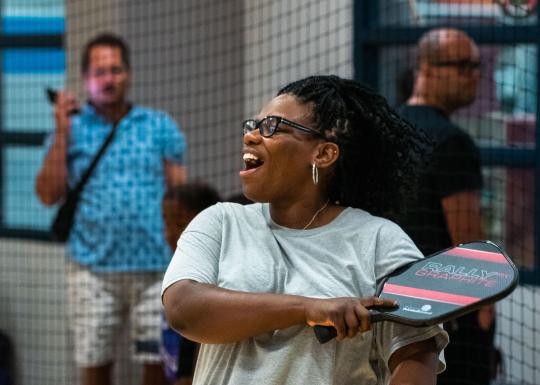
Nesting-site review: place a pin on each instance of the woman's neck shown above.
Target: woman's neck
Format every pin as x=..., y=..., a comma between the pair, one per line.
x=304, y=214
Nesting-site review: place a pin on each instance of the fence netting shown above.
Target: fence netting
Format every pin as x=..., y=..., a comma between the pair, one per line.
x=212, y=64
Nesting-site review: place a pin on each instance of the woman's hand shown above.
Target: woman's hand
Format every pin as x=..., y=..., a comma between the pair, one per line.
x=347, y=315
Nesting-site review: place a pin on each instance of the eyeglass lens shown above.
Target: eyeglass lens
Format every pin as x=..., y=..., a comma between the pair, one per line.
x=266, y=126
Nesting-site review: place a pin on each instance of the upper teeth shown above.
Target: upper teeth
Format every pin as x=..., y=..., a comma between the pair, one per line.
x=248, y=156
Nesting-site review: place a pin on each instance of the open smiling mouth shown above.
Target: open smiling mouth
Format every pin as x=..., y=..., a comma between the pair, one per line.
x=251, y=161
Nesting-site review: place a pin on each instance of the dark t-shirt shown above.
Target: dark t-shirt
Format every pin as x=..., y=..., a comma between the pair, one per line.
x=454, y=166
x=470, y=355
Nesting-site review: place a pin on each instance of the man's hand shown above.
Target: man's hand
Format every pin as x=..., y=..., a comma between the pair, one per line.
x=51, y=181
x=65, y=104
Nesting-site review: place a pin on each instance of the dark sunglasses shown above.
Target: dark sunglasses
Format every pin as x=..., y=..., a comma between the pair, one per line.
x=269, y=125
x=463, y=66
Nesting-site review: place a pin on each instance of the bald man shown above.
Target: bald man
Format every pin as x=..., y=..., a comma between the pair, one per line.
x=447, y=209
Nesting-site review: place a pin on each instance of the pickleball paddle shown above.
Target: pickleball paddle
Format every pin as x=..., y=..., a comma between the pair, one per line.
x=443, y=286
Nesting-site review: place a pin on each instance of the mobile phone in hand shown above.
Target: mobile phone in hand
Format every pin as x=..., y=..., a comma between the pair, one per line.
x=52, y=95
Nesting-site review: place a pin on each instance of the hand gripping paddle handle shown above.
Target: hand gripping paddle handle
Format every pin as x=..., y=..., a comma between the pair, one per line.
x=328, y=333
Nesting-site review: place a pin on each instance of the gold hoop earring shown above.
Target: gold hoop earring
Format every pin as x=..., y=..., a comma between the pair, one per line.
x=315, y=174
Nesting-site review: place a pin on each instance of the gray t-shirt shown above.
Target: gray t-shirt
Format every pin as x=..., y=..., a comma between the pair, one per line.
x=240, y=248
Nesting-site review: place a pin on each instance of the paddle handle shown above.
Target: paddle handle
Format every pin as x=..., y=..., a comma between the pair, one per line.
x=328, y=333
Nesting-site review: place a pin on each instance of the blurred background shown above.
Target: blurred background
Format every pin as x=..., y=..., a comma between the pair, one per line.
x=212, y=64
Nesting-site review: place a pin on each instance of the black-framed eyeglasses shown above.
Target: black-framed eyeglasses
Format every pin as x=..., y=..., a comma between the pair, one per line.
x=269, y=125
x=464, y=66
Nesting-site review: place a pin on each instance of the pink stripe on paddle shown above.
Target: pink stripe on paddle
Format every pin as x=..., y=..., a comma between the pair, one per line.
x=439, y=296
x=477, y=254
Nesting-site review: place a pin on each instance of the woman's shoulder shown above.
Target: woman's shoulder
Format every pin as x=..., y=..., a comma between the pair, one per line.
x=234, y=211
x=223, y=215
x=360, y=215
x=371, y=223
x=239, y=207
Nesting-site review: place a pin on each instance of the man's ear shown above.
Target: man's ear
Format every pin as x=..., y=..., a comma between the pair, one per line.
x=326, y=155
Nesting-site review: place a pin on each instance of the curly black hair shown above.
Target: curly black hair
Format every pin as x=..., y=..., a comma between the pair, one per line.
x=381, y=154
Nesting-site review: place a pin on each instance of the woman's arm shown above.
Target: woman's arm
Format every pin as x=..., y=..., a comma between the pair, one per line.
x=209, y=314
x=415, y=364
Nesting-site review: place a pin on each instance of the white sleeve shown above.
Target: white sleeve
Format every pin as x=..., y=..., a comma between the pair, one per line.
x=394, y=249
x=391, y=336
x=198, y=250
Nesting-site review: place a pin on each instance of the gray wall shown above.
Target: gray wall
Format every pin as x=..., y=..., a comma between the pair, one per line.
x=33, y=314
x=32, y=310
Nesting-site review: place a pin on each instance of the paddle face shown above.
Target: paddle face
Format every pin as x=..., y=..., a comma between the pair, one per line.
x=450, y=283
x=443, y=286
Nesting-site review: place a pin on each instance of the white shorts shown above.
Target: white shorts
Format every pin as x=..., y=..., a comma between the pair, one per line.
x=101, y=304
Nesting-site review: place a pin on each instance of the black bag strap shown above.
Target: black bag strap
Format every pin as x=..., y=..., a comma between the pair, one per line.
x=80, y=184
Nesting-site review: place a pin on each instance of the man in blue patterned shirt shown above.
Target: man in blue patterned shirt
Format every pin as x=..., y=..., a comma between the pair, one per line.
x=116, y=248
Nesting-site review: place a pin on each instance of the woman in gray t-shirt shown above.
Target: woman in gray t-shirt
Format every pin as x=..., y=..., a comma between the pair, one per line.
x=326, y=159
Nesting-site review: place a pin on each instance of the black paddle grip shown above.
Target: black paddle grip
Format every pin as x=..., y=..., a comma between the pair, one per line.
x=328, y=333
x=325, y=333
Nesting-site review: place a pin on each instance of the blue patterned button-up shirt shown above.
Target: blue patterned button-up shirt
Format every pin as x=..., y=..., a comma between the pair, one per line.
x=118, y=225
